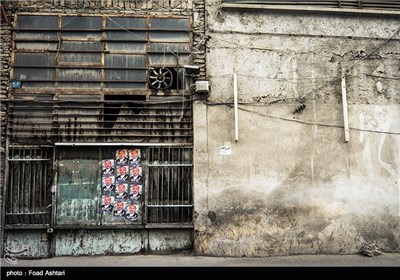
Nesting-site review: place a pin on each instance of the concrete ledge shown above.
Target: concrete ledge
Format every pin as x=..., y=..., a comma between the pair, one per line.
x=278, y=8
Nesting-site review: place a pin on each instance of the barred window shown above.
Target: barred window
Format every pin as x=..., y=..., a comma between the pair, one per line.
x=29, y=182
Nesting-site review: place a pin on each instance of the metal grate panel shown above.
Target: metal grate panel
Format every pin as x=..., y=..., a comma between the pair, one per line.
x=170, y=190
x=28, y=192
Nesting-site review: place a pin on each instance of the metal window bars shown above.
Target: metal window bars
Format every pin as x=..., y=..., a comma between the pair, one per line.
x=28, y=192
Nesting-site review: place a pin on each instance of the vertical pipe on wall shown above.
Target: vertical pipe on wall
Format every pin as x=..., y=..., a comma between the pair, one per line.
x=344, y=104
x=235, y=100
x=54, y=189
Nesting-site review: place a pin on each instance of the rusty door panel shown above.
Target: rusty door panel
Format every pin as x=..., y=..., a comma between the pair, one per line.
x=78, y=187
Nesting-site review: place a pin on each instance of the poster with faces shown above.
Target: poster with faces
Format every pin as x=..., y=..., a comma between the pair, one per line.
x=122, y=184
x=123, y=173
x=135, y=175
x=135, y=158
x=107, y=203
x=108, y=183
x=121, y=192
x=135, y=192
x=121, y=157
x=108, y=167
x=133, y=210
x=119, y=209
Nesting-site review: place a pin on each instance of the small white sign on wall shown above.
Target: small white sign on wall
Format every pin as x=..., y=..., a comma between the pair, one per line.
x=226, y=149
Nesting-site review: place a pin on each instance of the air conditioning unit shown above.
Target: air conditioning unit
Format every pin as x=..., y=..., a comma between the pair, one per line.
x=202, y=87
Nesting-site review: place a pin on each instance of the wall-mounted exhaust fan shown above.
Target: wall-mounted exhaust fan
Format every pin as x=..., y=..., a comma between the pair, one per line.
x=160, y=78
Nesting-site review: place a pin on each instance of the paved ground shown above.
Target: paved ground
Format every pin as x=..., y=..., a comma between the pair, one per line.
x=187, y=259
x=186, y=265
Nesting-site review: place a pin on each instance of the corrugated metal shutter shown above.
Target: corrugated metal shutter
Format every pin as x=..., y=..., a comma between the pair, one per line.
x=41, y=119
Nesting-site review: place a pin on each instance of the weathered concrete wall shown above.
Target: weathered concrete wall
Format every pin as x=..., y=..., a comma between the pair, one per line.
x=98, y=242
x=292, y=185
x=36, y=242
x=168, y=240
x=103, y=242
x=113, y=5
x=5, y=38
x=76, y=242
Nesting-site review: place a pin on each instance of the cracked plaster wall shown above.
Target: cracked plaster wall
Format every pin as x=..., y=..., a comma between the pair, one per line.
x=291, y=184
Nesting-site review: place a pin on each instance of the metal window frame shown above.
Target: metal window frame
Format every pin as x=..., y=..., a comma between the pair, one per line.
x=101, y=85
x=6, y=194
x=158, y=201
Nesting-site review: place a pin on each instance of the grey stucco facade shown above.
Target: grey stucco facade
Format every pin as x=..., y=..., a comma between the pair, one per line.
x=291, y=184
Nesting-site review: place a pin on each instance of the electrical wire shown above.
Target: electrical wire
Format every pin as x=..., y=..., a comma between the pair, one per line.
x=333, y=80
x=252, y=33
x=352, y=66
x=230, y=104
x=204, y=40
x=66, y=23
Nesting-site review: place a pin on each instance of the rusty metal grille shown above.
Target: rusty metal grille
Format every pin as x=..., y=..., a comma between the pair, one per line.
x=349, y=4
x=170, y=188
x=42, y=119
x=28, y=192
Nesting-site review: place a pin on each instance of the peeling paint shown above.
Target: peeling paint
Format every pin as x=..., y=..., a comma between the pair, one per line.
x=97, y=242
x=170, y=240
x=16, y=240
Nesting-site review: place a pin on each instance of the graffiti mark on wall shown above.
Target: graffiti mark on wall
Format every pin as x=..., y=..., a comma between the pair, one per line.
x=378, y=120
x=274, y=180
x=10, y=256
